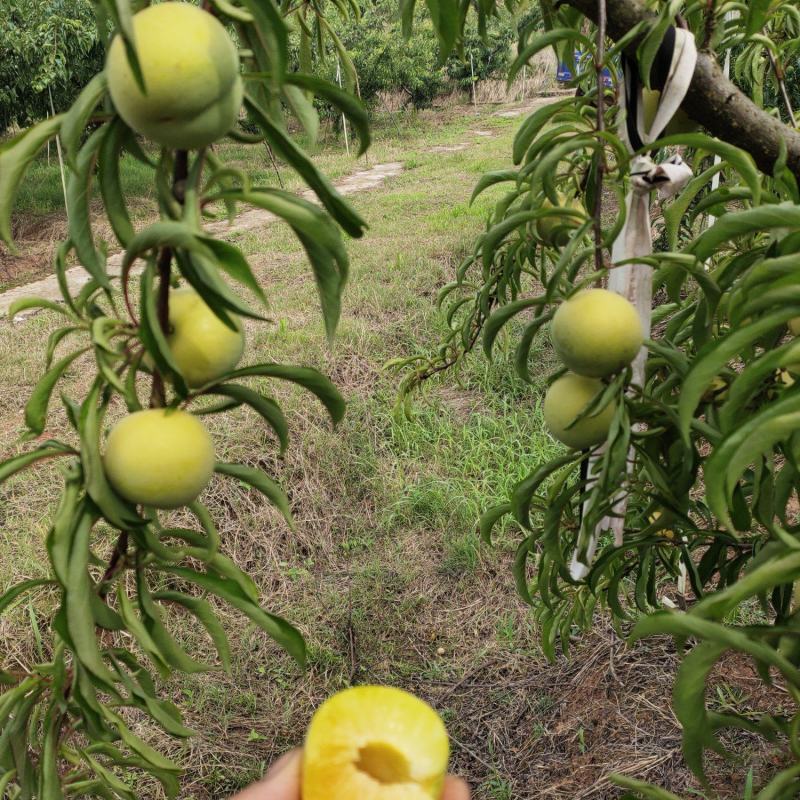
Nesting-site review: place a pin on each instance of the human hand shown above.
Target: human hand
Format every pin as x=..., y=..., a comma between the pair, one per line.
x=282, y=782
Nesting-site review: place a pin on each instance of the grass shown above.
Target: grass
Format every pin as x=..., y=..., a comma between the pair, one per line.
x=384, y=573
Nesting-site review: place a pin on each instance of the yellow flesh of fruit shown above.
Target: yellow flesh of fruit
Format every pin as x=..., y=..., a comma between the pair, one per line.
x=596, y=333
x=375, y=743
x=159, y=457
x=203, y=346
x=191, y=73
x=565, y=400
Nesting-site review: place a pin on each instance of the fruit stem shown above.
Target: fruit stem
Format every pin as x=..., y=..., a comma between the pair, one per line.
x=116, y=561
x=180, y=172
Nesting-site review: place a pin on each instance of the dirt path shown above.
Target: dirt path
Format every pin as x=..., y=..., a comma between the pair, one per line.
x=359, y=181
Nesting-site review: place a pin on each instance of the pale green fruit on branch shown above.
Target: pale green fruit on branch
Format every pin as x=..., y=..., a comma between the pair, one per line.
x=159, y=457
x=794, y=326
x=191, y=73
x=375, y=743
x=556, y=230
x=202, y=345
x=680, y=123
x=565, y=400
x=596, y=333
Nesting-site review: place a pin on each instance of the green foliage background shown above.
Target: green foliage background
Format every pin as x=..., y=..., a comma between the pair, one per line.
x=46, y=47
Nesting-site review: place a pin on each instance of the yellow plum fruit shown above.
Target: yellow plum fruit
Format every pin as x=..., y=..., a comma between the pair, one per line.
x=566, y=398
x=203, y=346
x=596, y=333
x=191, y=74
x=159, y=457
x=375, y=743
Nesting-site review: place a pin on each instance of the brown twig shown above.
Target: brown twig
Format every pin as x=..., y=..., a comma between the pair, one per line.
x=115, y=564
x=781, y=78
x=710, y=24
x=180, y=172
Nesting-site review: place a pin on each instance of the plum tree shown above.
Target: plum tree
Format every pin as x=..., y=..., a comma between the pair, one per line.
x=704, y=430
x=190, y=90
x=375, y=743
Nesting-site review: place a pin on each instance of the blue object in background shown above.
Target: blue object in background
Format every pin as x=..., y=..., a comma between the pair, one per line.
x=565, y=72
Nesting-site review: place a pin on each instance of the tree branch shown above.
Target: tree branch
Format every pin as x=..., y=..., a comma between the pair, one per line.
x=712, y=100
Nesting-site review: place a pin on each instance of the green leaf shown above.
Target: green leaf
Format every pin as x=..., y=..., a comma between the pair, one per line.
x=36, y=407
x=265, y=406
x=716, y=355
x=138, y=630
x=778, y=571
x=16, y=155
x=445, y=17
x=78, y=610
x=24, y=303
x=231, y=259
x=688, y=625
x=350, y=106
x=258, y=480
x=534, y=123
x=491, y=179
x=500, y=317
x=307, y=377
x=47, y=449
x=268, y=37
x=74, y=124
x=278, y=629
x=204, y=612
x=490, y=518
x=519, y=569
x=153, y=337
x=648, y=48
x=175, y=656
x=646, y=790
x=303, y=108
x=319, y=236
x=138, y=746
x=744, y=446
x=108, y=778
x=339, y=209
x=11, y=594
x=110, y=181
x=120, y=12
x=119, y=513
x=49, y=760
x=743, y=223
x=79, y=193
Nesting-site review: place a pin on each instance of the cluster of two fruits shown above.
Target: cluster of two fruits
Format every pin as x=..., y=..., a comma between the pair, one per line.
x=596, y=333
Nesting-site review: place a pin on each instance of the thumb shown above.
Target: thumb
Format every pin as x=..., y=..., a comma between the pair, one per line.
x=282, y=782
x=455, y=789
